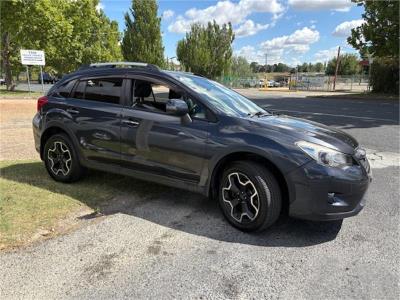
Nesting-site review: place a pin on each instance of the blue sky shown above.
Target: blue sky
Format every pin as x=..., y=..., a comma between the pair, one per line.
x=288, y=31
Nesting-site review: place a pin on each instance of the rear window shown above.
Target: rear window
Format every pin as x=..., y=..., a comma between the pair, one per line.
x=64, y=90
x=102, y=90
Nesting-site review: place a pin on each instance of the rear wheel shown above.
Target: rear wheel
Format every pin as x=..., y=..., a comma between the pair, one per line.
x=249, y=196
x=61, y=159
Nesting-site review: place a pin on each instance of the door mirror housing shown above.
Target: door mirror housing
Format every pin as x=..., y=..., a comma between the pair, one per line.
x=177, y=107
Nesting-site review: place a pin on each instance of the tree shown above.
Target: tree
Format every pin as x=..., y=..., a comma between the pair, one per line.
x=319, y=67
x=281, y=68
x=254, y=67
x=59, y=28
x=240, y=67
x=206, y=50
x=348, y=65
x=379, y=35
x=142, y=40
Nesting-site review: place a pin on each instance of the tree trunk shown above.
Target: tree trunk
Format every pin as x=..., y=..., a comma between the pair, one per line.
x=5, y=53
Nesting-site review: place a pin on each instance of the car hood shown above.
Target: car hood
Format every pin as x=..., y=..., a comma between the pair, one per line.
x=301, y=129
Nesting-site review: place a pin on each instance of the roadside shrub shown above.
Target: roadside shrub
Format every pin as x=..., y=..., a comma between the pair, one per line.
x=385, y=76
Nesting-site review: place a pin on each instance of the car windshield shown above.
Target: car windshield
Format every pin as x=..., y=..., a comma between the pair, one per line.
x=219, y=96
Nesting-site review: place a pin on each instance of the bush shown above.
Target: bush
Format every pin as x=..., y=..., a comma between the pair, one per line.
x=385, y=76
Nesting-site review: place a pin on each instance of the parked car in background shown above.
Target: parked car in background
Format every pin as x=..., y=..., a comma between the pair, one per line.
x=47, y=78
x=2, y=81
x=189, y=132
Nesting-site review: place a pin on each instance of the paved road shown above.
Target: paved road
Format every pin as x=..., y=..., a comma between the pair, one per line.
x=173, y=244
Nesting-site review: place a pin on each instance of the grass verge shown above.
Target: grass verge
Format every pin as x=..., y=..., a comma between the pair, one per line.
x=30, y=200
x=4, y=94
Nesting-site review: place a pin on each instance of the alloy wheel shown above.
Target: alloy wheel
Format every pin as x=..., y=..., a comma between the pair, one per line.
x=60, y=158
x=241, y=198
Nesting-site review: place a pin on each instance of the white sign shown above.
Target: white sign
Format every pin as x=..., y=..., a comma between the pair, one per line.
x=32, y=57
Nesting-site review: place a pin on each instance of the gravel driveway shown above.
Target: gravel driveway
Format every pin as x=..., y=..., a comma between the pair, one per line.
x=174, y=244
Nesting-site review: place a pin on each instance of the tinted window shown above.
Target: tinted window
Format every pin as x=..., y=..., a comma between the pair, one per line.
x=65, y=89
x=103, y=90
x=80, y=90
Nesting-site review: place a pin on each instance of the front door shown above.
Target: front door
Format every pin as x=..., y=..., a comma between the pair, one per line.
x=155, y=142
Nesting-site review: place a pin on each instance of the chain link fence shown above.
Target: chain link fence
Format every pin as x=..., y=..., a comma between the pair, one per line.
x=354, y=83
x=303, y=82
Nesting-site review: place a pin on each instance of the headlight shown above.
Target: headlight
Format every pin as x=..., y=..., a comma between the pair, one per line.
x=325, y=156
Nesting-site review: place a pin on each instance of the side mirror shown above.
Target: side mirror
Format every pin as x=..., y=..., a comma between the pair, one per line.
x=177, y=107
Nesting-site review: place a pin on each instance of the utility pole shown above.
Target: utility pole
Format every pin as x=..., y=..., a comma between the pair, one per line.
x=266, y=62
x=337, y=68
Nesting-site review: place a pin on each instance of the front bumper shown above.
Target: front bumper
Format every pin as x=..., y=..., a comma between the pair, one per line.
x=321, y=193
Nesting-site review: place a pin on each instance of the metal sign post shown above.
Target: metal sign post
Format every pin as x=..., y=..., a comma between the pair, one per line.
x=27, y=76
x=41, y=78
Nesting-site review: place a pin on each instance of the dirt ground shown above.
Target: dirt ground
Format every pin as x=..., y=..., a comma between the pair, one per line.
x=16, y=137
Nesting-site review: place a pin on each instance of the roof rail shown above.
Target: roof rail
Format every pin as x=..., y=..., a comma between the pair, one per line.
x=124, y=63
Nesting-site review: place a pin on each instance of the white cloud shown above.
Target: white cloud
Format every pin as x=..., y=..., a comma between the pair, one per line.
x=251, y=54
x=328, y=54
x=279, y=48
x=337, y=5
x=226, y=11
x=299, y=41
x=100, y=6
x=344, y=29
x=249, y=28
x=167, y=14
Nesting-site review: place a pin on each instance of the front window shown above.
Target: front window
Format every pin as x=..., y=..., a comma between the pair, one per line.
x=222, y=98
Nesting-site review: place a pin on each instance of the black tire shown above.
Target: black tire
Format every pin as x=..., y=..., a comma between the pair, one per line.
x=66, y=172
x=267, y=198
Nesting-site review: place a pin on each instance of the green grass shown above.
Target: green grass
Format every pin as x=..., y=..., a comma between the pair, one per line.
x=4, y=94
x=30, y=200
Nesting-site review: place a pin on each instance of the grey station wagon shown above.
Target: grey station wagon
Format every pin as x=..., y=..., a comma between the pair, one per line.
x=186, y=131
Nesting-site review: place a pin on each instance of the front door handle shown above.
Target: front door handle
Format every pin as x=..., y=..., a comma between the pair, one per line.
x=130, y=123
x=72, y=111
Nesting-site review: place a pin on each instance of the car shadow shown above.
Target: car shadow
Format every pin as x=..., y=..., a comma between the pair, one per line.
x=171, y=208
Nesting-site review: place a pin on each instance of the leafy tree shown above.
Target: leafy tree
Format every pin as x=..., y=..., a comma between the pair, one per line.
x=380, y=32
x=348, y=65
x=206, y=50
x=240, y=67
x=280, y=67
x=319, y=67
x=70, y=32
x=254, y=67
x=142, y=36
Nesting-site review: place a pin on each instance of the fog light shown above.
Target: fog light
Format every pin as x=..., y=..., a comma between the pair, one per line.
x=334, y=200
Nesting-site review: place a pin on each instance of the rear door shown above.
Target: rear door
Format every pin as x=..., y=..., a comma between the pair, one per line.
x=95, y=109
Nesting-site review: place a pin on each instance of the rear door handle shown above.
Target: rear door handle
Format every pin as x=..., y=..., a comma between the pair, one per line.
x=130, y=123
x=72, y=111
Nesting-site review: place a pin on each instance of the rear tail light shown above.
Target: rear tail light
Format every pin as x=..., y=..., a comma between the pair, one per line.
x=41, y=102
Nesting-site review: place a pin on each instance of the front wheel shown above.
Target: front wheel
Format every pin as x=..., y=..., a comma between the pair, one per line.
x=61, y=159
x=249, y=196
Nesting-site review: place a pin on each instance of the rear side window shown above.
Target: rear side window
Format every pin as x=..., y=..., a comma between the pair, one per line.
x=102, y=90
x=65, y=89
